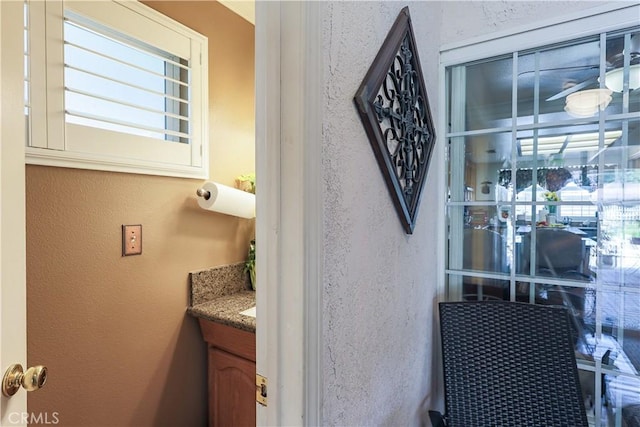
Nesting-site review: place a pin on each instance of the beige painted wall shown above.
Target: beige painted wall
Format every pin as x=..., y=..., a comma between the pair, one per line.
x=112, y=330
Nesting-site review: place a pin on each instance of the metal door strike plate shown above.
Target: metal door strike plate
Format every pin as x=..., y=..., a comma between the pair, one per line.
x=261, y=390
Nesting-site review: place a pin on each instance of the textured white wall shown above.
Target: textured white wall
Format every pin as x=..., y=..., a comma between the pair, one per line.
x=380, y=284
x=467, y=19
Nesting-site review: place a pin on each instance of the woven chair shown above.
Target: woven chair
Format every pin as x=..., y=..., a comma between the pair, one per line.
x=508, y=364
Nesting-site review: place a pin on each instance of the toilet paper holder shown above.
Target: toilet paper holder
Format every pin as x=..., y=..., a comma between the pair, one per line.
x=220, y=198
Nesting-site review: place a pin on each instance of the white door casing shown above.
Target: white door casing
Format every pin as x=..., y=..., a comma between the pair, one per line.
x=290, y=222
x=267, y=51
x=289, y=89
x=13, y=320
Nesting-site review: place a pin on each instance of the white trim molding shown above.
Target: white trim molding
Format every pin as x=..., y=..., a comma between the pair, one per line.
x=609, y=17
x=313, y=192
x=289, y=206
x=267, y=48
x=13, y=289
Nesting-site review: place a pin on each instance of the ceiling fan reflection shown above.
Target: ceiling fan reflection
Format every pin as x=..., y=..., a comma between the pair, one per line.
x=614, y=74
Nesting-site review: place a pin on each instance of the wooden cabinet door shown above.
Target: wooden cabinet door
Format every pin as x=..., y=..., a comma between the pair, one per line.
x=232, y=390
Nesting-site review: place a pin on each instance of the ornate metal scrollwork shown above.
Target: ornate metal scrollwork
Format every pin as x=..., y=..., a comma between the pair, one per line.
x=394, y=109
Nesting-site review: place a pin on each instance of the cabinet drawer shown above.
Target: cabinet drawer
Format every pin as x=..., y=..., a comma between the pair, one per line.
x=230, y=339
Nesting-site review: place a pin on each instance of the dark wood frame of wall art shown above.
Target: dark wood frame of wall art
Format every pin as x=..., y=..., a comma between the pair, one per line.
x=370, y=115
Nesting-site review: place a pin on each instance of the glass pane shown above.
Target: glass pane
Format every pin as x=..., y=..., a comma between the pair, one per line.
x=483, y=245
x=620, y=321
x=82, y=81
x=484, y=90
x=486, y=249
x=566, y=145
x=567, y=167
x=619, y=198
x=581, y=302
x=112, y=81
x=620, y=342
x=563, y=210
x=562, y=253
x=621, y=74
x=525, y=292
x=477, y=289
x=486, y=161
x=621, y=400
x=88, y=39
x=545, y=79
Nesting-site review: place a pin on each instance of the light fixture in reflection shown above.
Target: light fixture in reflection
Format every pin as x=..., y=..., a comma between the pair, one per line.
x=614, y=78
x=568, y=143
x=586, y=103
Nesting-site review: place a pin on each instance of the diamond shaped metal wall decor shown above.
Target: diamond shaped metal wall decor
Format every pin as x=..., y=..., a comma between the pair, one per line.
x=394, y=109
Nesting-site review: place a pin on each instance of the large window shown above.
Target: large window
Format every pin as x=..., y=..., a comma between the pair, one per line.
x=544, y=193
x=114, y=85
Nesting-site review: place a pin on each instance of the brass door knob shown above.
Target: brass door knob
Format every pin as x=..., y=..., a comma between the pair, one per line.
x=33, y=379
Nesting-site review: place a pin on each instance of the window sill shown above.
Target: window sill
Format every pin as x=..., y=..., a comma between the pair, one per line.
x=67, y=159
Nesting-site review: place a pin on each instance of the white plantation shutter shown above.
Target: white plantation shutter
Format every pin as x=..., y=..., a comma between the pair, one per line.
x=131, y=92
x=124, y=85
x=27, y=71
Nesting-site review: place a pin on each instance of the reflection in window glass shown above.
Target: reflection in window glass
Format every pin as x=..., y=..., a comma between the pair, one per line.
x=484, y=105
x=623, y=71
x=547, y=76
x=551, y=214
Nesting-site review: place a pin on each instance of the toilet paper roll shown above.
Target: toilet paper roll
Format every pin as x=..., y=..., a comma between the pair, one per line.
x=228, y=200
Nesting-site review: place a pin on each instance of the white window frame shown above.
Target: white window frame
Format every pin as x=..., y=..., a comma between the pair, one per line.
x=606, y=18
x=54, y=142
x=601, y=19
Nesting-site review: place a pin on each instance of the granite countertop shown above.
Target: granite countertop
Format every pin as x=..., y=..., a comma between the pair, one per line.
x=226, y=310
x=219, y=294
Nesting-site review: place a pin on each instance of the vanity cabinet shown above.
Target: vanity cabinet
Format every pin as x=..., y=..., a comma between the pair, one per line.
x=232, y=374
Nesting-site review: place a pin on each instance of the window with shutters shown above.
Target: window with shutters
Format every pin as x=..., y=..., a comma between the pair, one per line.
x=116, y=86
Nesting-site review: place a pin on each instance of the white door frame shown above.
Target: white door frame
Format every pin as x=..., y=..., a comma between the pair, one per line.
x=289, y=235
x=289, y=225
x=13, y=298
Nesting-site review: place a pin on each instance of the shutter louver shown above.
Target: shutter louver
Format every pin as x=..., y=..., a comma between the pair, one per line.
x=115, y=83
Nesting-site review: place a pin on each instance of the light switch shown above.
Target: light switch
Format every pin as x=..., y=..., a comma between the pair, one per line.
x=131, y=240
